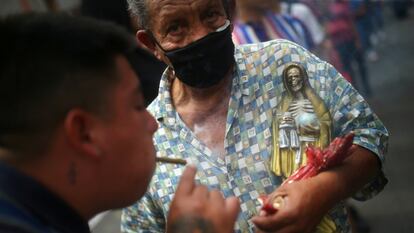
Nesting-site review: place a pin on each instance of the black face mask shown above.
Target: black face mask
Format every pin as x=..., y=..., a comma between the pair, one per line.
x=204, y=62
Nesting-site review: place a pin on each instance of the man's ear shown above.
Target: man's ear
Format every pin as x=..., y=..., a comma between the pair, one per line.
x=82, y=132
x=147, y=40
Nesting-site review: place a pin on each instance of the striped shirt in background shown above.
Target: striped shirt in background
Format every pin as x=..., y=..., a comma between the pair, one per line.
x=273, y=26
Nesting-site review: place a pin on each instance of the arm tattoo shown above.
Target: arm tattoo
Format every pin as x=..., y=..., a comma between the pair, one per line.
x=189, y=224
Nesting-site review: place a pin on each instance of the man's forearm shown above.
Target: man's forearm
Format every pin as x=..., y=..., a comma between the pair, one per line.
x=344, y=180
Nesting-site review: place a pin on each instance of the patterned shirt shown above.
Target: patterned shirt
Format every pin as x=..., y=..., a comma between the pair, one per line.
x=257, y=89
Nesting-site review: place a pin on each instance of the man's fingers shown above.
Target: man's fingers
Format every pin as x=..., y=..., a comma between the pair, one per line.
x=187, y=184
x=230, y=205
x=217, y=197
x=263, y=223
x=233, y=207
x=352, y=149
x=201, y=192
x=269, y=222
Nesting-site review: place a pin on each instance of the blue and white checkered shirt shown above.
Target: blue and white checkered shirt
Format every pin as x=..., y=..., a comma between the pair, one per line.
x=257, y=89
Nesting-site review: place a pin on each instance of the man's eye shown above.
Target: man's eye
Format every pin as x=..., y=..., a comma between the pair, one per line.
x=211, y=16
x=173, y=28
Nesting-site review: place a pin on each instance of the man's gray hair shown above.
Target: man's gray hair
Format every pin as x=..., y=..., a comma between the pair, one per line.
x=139, y=9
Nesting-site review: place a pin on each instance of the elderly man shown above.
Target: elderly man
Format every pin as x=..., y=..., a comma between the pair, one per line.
x=75, y=136
x=215, y=108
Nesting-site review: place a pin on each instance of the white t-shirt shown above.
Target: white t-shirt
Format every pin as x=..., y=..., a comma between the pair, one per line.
x=302, y=12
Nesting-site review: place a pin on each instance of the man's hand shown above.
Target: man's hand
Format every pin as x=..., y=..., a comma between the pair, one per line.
x=300, y=212
x=305, y=202
x=196, y=209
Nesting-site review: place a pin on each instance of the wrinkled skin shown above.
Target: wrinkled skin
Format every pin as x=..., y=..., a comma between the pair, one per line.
x=302, y=199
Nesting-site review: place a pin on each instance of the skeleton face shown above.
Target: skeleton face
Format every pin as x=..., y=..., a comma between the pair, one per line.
x=295, y=79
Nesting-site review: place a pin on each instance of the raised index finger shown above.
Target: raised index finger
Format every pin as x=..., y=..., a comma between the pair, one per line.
x=187, y=184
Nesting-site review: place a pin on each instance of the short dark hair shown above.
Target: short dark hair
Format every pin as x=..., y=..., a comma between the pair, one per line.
x=50, y=64
x=139, y=8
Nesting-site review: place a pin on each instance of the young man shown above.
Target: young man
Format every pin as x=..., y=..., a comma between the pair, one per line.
x=75, y=136
x=216, y=106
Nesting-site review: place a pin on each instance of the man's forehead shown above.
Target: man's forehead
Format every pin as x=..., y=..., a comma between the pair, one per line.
x=158, y=5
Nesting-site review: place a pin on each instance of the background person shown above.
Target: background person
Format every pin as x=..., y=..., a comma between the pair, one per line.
x=260, y=21
x=117, y=12
x=74, y=124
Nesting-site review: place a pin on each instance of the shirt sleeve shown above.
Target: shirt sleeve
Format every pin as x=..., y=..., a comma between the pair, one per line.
x=143, y=217
x=350, y=112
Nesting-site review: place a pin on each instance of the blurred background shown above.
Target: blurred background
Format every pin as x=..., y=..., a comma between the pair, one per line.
x=371, y=42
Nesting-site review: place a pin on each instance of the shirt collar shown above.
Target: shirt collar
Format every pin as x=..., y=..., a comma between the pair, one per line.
x=39, y=201
x=163, y=107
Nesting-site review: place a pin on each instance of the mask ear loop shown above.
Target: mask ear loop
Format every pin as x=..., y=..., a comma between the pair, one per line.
x=170, y=67
x=225, y=25
x=220, y=29
x=155, y=40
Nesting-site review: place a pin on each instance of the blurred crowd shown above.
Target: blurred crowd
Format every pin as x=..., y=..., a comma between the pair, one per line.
x=109, y=10
x=345, y=33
